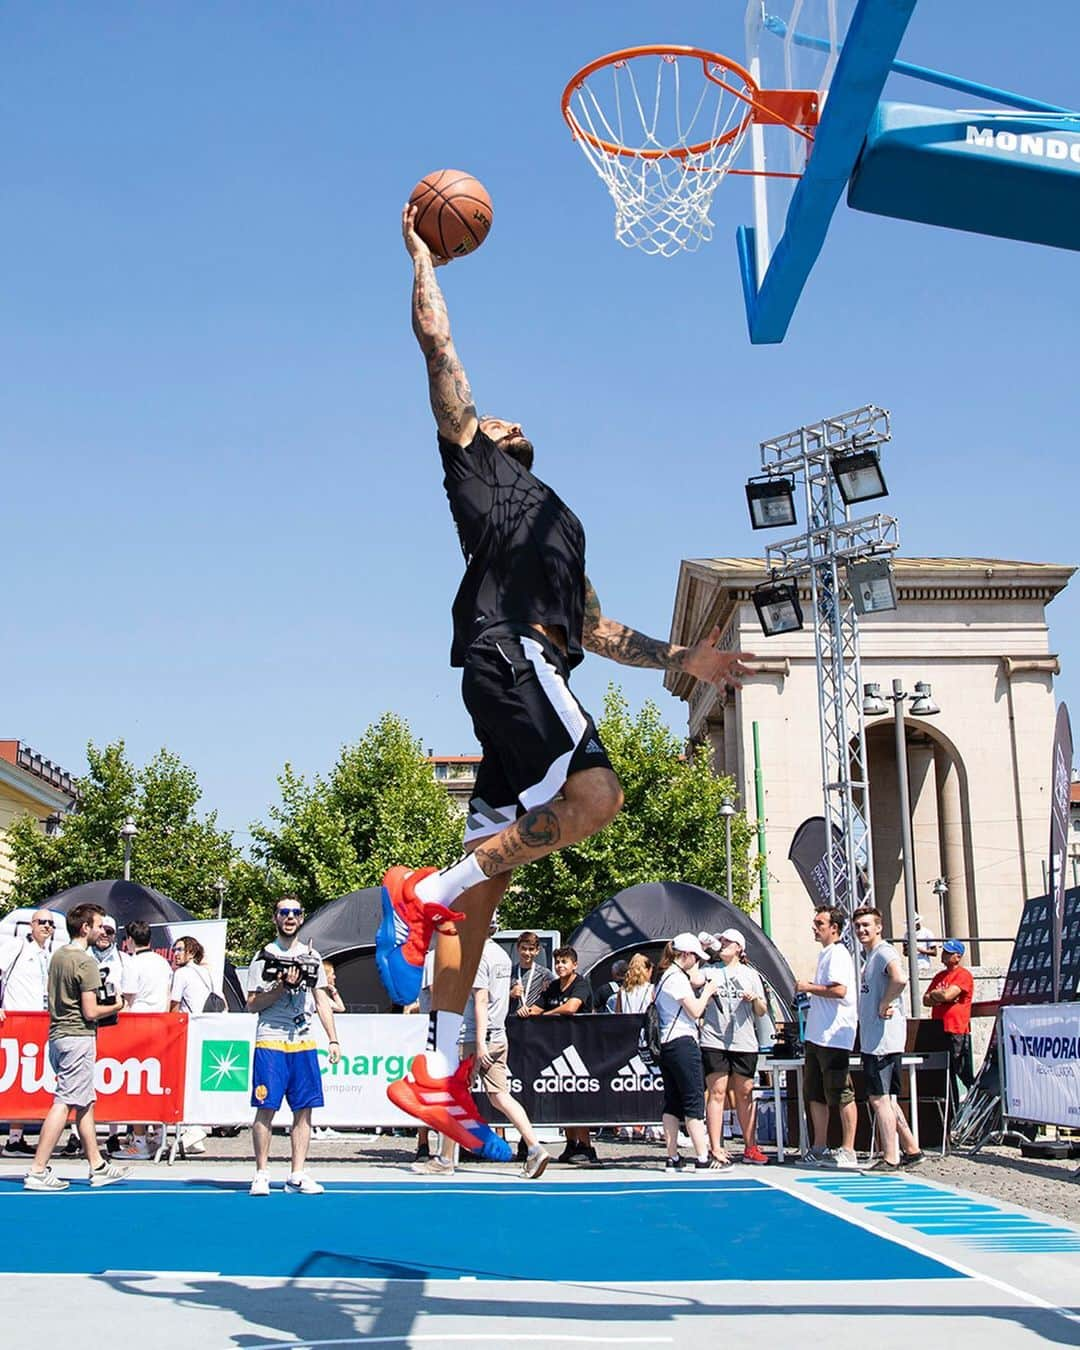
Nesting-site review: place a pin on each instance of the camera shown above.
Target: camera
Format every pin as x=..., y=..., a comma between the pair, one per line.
x=276, y=967
x=106, y=993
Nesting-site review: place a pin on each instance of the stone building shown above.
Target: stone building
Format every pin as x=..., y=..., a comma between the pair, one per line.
x=29, y=785
x=976, y=629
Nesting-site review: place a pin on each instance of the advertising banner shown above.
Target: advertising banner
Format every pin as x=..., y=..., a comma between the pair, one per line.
x=581, y=1071
x=210, y=932
x=1041, y=1048
x=1060, y=784
x=375, y=1051
x=139, y=1073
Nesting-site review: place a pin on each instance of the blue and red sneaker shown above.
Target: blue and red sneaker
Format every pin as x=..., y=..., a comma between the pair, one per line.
x=445, y=1104
x=404, y=935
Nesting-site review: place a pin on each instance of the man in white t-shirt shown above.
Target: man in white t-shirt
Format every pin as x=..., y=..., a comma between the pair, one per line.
x=24, y=987
x=147, y=979
x=830, y=1036
x=883, y=1037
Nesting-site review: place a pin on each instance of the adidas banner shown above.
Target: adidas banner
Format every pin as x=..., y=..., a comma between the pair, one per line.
x=581, y=1071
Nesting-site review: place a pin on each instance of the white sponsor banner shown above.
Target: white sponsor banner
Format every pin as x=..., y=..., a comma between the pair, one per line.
x=375, y=1050
x=1041, y=1049
x=211, y=934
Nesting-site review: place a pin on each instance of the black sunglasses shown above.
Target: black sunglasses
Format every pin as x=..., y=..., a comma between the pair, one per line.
x=45, y=923
x=289, y=913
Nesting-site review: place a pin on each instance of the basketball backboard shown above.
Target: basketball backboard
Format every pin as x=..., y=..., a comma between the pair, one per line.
x=844, y=49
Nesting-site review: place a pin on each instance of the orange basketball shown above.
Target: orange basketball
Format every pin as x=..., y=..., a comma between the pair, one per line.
x=453, y=212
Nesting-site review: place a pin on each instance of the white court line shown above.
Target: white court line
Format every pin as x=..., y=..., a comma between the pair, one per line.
x=902, y=1240
x=423, y=1191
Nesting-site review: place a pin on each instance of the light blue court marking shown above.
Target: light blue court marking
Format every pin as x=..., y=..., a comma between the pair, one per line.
x=683, y=1231
x=975, y=1223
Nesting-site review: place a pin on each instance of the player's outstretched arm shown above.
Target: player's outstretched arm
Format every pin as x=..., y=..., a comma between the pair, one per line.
x=608, y=637
x=448, y=385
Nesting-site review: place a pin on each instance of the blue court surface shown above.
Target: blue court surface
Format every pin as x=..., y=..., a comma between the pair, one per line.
x=701, y=1230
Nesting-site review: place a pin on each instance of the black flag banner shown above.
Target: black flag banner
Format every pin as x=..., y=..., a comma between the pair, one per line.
x=1061, y=783
x=808, y=854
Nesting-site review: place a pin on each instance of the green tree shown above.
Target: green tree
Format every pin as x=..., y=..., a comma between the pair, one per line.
x=176, y=851
x=670, y=829
x=379, y=805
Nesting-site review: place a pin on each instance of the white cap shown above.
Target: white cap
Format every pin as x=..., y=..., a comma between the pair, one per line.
x=732, y=935
x=687, y=942
x=107, y=921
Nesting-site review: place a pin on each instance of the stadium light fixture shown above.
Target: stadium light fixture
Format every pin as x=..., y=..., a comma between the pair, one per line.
x=778, y=608
x=871, y=585
x=859, y=477
x=771, y=501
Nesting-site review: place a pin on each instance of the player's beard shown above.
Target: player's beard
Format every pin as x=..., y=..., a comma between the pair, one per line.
x=519, y=448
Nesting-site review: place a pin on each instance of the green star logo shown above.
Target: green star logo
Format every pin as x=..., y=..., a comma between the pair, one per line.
x=224, y=1066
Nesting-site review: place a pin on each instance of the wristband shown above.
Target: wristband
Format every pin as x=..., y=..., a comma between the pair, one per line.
x=333, y=1042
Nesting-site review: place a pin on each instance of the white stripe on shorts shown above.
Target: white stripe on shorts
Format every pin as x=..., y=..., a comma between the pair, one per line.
x=570, y=715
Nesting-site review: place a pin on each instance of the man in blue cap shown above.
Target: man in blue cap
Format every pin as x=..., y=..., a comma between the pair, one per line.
x=948, y=997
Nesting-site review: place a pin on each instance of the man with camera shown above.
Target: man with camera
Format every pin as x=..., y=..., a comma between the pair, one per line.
x=286, y=986
x=78, y=1005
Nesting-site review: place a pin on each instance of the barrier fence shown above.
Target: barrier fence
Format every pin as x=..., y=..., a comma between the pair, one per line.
x=168, y=1067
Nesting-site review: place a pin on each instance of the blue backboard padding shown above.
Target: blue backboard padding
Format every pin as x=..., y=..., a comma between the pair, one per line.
x=874, y=36
x=1017, y=177
x=697, y=1230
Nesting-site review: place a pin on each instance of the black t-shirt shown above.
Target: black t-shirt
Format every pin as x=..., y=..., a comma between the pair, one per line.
x=554, y=996
x=524, y=548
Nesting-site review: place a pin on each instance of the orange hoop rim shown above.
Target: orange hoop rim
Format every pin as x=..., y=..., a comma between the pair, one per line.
x=707, y=58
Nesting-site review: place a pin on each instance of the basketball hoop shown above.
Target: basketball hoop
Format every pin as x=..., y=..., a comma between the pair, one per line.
x=663, y=132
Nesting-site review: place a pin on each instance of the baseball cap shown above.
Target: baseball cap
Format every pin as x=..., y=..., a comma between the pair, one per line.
x=733, y=935
x=954, y=945
x=107, y=921
x=687, y=942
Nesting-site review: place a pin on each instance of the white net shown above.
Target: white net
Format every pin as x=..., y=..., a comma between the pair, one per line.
x=662, y=132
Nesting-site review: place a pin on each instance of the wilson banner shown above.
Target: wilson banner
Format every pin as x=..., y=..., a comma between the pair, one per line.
x=139, y=1072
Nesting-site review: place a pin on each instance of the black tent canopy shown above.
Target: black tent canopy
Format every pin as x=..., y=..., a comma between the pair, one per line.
x=127, y=901
x=646, y=916
x=343, y=931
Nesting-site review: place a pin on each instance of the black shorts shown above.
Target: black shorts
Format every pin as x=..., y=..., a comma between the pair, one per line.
x=827, y=1076
x=881, y=1074
x=533, y=732
x=684, y=1083
x=742, y=1064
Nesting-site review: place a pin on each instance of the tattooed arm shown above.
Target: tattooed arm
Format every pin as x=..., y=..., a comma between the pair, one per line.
x=608, y=637
x=451, y=397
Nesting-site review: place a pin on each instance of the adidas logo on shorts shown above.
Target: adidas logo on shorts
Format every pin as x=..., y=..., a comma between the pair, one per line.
x=567, y=1072
x=637, y=1076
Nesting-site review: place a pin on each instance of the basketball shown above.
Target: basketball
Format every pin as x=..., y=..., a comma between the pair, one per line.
x=453, y=212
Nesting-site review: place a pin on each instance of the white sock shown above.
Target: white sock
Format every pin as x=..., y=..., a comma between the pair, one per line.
x=443, y=888
x=444, y=1032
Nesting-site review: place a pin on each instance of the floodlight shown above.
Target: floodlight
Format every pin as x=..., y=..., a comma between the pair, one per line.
x=859, y=477
x=871, y=585
x=923, y=705
x=873, y=705
x=771, y=502
x=778, y=608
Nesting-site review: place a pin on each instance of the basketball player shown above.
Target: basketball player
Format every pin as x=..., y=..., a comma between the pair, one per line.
x=523, y=614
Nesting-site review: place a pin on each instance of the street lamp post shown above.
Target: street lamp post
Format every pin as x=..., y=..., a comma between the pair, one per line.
x=941, y=890
x=220, y=886
x=127, y=832
x=727, y=810
x=922, y=705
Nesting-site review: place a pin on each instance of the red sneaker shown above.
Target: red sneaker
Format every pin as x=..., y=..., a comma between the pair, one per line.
x=445, y=1104
x=404, y=935
x=753, y=1154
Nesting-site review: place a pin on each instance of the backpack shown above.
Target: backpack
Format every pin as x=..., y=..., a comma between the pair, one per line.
x=214, y=1002
x=651, y=1031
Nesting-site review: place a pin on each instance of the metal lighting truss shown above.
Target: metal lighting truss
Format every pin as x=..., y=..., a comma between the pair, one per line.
x=832, y=538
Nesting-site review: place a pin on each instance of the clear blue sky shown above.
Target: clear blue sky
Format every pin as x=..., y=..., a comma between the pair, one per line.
x=223, y=520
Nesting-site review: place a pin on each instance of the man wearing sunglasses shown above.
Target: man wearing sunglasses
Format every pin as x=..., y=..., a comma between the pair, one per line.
x=24, y=987
x=286, y=986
